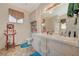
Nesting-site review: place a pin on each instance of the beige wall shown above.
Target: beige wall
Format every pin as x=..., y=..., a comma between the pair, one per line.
x=22, y=30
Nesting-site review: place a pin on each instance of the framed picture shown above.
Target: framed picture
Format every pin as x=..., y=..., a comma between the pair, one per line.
x=34, y=26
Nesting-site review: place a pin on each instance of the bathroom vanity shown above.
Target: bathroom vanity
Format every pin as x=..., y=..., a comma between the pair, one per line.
x=55, y=45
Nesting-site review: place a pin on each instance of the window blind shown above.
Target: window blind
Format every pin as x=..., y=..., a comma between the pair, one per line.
x=16, y=14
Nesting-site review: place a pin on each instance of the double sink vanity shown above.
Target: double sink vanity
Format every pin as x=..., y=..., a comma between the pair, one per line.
x=55, y=45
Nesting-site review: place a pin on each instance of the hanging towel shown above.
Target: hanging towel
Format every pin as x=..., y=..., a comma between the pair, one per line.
x=76, y=8
x=24, y=45
x=35, y=54
x=70, y=10
x=73, y=8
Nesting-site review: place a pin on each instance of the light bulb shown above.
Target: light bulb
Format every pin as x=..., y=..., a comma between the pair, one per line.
x=43, y=24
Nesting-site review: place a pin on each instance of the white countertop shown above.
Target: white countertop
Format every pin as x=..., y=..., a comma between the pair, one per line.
x=62, y=39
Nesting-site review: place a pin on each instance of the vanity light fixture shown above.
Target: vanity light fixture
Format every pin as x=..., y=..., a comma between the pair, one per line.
x=43, y=24
x=50, y=12
x=51, y=6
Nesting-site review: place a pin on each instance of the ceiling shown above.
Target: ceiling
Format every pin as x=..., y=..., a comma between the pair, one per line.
x=29, y=7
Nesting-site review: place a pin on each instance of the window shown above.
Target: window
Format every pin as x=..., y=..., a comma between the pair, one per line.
x=15, y=16
x=12, y=19
x=20, y=21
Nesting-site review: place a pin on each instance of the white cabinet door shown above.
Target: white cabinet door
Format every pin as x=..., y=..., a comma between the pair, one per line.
x=54, y=48
x=50, y=48
x=43, y=46
x=36, y=43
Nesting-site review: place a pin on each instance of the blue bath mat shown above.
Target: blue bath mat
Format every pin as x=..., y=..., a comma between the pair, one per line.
x=35, y=54
x=24, y=45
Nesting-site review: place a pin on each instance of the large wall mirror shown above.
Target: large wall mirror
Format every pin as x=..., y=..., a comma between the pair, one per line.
x=51, y=24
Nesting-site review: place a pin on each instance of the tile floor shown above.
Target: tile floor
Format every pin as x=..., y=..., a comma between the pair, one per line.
x=17, y=51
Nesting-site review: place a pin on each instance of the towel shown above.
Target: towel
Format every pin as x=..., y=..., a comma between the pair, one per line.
x=35, y=54
x=73, y=8
x=24, y=45
x=76, y=8
x=70, y=10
